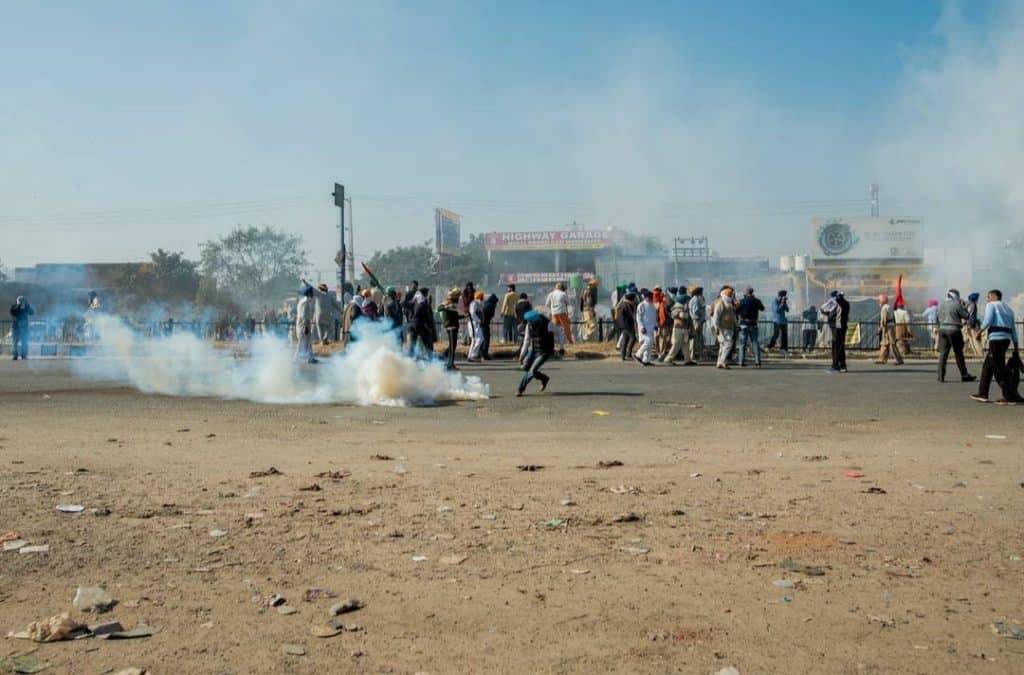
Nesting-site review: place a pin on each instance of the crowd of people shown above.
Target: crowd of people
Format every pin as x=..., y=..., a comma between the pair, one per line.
x=665, y=326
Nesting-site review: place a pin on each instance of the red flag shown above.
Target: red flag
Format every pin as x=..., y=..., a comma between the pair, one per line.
x=899, y=292
x=373, y=279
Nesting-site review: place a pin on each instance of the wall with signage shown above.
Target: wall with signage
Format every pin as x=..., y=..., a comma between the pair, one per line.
x=866, y=239
x=550, y=240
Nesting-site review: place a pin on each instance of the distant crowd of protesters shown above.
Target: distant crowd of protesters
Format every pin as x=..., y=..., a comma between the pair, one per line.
x=664, y=326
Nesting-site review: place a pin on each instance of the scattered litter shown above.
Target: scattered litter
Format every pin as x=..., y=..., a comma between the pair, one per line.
x=579, y=571
x=608, y=464
x=995, y=437
x=210, y=436
x=14, y=544
x=728, y=670
x=568, y=502
x=324, y=631
x=286, y=610
x=399, y=470
x=489, y=516
x=218, y=533
x=263, y=474
x=53, y=629
x=276, y=600
x=350, y=605
x=317, y=593
x=23, y=663
x=39, y=548
x=130, y=671
x=454, y=559
x=70, y=508
x=92, y=599
x=337, y=474
x=792, y=566
x=853, y=474
x=637, y=550
x=1007, y=630
x=627, y=518
x=696, y=474
x=783, y=583
x=8, y=536
x=184, y=430
x=314, y=487
x=873, y=490
x=294, y=650
x=883, y=621
x=601, y=413
x=625, y=490
x=100, y=511
x=530, y=467
x=555, y=522
x=814, y=458
x=382, y=458
x=140, y=631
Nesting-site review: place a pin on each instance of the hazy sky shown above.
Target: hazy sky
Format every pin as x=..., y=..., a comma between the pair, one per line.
x=128, y=126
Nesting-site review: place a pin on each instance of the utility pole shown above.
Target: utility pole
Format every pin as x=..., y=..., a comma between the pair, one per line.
x=351, y=242
x=339, y=201
x=874, y=200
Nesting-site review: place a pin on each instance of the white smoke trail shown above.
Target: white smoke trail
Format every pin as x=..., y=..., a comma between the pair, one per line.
x=373, y=371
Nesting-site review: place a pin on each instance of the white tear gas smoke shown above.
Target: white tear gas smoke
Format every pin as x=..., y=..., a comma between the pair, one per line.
x=373, y=370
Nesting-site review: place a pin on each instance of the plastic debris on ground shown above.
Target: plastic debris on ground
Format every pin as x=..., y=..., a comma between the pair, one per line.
x=92, y=599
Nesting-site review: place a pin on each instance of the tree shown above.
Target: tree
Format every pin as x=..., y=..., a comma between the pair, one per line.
x=3, y=271
x=168, y=278
x=400, y=265
x=254, y=265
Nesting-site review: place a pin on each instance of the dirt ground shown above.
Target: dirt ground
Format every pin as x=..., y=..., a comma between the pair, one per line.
x=466, y=563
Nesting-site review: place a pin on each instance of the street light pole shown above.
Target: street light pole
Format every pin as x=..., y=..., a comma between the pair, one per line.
x=339, y=201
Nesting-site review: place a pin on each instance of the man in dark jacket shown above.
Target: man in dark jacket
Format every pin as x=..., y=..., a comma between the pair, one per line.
x=538, y=347
x=626, y=322
x=522, y=307
x=780, y=326
x=838, y=312
x=748, y=312
x=490, y=308
x=450, y=321
x=20, y=311
x=420, y=326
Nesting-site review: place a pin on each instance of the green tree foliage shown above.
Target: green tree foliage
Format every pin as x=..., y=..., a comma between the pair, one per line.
x=168, y=278
x=256, y=266
x=400, y=265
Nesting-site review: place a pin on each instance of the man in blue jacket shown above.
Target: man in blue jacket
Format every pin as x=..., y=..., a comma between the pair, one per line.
x=20, y=311
x=780, y=328
x=1002, y=333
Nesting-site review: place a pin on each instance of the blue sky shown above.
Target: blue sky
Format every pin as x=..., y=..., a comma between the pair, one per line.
x=128, y=126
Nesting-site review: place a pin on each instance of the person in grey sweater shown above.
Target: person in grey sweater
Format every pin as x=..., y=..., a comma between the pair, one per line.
x=951, y=316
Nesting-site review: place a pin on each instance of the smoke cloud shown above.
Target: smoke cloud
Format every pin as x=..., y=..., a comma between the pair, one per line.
x=373, y=371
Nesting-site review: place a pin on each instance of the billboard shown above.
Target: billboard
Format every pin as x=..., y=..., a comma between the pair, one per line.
x=866, y=239
x=448, y=231
x=550, y=240
x=542, y=277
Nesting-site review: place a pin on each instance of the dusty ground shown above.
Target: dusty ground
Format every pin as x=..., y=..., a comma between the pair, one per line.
x=913, y=576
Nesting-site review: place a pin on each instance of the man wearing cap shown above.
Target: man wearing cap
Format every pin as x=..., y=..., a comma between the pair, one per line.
x=780, y=322
x=588, y=305
x=723, y=325
x=887, y=333
x=20, y=312
x=508, y=315
x=951, y=316
x=538, y=347
x=304, y=323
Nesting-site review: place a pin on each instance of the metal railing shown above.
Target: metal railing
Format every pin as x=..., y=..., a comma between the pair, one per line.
x=72, y=336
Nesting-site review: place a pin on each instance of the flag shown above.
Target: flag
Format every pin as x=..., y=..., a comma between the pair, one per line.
x=899, y=292
x=373, y=279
